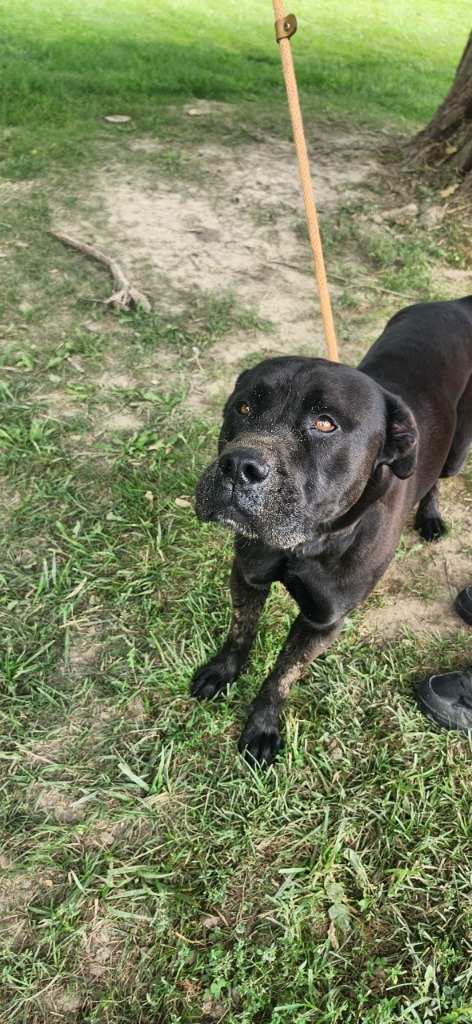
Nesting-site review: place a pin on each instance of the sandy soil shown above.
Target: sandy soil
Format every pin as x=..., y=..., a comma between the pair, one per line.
x=235, y=223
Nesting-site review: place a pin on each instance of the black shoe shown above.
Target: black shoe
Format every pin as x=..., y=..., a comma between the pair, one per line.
x=447, y=699
x=463, y=605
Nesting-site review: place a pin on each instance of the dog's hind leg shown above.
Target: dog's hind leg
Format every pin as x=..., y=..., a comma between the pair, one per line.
x=428, y=519
x=213, y=679
x=462, y=439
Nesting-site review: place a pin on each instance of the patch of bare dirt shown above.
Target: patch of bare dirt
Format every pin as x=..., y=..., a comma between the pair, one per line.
x=62, y=1001
x=15, y=190
x=453, y=281
x=134, y=830
x=112, y=379
x=84, y=648
x=57, y=803
x=238, y=225
x=199, y=108
x=420, y=585
x=123, y=422
x=59, y=405
x=102, y=946
x=86, y=727
x=18, y=891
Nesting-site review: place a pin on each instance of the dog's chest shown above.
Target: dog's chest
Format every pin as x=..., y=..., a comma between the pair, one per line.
x=314, y=586
x=328, y=584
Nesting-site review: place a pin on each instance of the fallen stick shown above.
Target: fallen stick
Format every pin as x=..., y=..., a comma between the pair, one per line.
x=128, y=297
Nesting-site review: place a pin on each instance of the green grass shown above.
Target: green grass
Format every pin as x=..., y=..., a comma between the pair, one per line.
x=148, y=875
x=67, y=65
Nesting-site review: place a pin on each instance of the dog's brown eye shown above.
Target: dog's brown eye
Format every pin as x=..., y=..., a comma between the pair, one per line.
x=324, y=424
x=243, y=408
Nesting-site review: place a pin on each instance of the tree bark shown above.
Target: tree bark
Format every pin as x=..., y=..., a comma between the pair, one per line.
x=448, y=136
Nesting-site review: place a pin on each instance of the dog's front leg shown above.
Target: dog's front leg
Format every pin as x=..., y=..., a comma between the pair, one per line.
x=260, y=740
x=248, y=601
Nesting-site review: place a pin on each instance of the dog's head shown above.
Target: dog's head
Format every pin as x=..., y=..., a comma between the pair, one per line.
x=300, y=443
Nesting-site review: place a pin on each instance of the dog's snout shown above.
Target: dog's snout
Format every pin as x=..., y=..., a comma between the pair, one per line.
x=244, y=466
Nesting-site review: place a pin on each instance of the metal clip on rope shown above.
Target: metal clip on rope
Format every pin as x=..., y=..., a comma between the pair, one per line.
x=285, y=28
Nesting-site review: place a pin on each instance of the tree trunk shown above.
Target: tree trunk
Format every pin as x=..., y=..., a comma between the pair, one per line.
x=448, y=136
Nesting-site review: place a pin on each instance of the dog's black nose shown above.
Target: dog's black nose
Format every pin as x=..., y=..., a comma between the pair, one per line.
x=244, y=466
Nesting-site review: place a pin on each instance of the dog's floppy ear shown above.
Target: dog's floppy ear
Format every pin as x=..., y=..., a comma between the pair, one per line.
x=400, y=446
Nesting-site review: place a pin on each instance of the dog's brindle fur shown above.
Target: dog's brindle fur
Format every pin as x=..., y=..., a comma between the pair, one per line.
x=319, y=466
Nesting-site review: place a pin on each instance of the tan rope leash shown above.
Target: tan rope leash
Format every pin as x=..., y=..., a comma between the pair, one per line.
x=285, y=26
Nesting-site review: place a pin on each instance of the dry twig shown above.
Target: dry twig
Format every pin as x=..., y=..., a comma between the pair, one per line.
x=128, y=297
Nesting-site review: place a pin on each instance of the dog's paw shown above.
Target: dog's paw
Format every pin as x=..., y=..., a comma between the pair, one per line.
x=213, y=679
x=430, y=528
x=260, y=740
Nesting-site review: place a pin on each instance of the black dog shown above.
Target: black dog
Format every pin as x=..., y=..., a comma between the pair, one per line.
x=319, y=465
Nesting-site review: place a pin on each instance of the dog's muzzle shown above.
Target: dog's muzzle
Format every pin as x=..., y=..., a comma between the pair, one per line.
x=234, y=490
x=249, y=490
